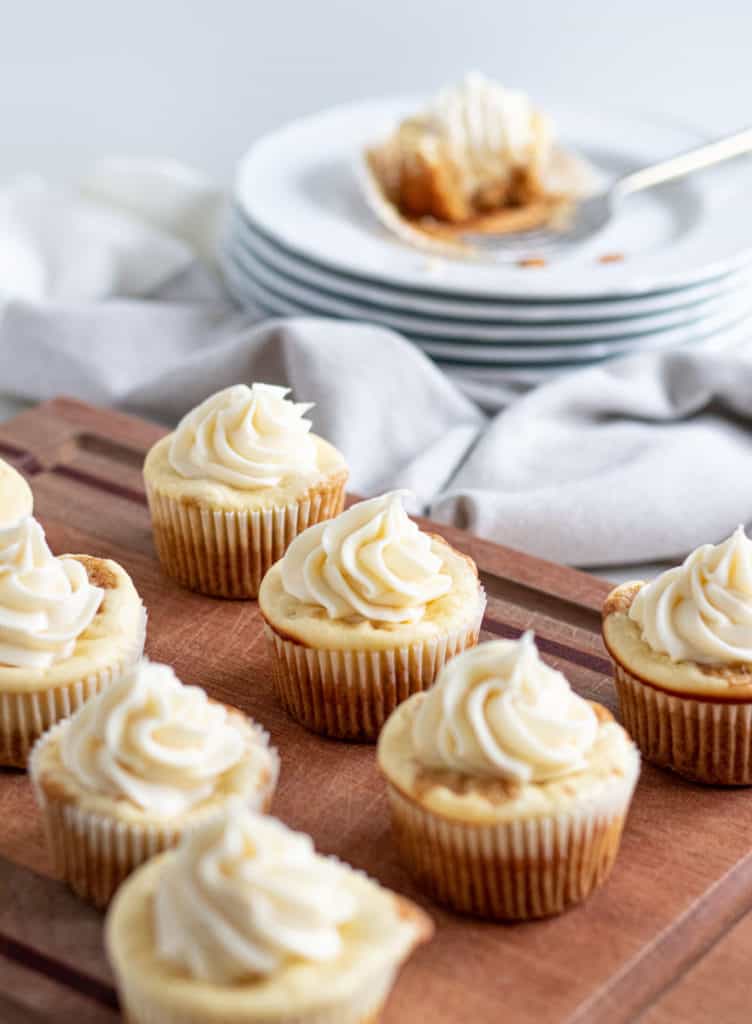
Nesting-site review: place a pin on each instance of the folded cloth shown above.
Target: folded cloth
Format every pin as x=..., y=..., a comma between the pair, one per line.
x=109, y=294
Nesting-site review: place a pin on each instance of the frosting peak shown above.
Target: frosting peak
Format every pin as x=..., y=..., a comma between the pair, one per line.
x=245, y=437
x=497, y=710
x=45, y=602
x=479, y=113
x=153, y=741
x=372, y=561
x=243, y=894
x=486, y=129
x=701, y=610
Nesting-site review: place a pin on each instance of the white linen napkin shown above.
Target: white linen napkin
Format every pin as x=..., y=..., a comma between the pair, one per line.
x=108, y=293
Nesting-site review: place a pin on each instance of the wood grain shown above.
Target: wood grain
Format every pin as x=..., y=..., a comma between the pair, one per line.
x=683, y=878
x=717, y=987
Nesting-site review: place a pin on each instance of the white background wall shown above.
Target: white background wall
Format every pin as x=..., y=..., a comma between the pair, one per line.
x=199, y=79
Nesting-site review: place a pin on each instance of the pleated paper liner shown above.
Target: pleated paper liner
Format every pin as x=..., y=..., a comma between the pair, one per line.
x=25, y=716
x=225, y=553
x=349, y=694
x=94, y=852
x=704, y=740
x=518, y=870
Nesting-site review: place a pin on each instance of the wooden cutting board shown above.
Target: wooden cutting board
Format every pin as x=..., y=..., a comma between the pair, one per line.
x=667, y=939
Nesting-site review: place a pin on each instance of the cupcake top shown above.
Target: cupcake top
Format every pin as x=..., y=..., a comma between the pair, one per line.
x=498, y=711
x=484, y=127
x=243, y=447
x=46, y=602
x=16, y=501
x=702, y=610
x=503, y=735
x=370, y=572
x=372, y=561
x=153, y=745
x=690, y=629
x=247, y=437
x=246, y=907
x=245, y=895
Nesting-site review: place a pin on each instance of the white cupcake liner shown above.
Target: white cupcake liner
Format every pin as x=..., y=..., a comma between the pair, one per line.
x=703, y=740
x=226, y=553
x=515, y=870
x=349, y=694
x=94, y=852
x=142, y=1005
x=26, y=715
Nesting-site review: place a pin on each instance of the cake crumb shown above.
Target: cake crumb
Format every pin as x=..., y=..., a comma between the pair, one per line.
x=611, y=257
x=531, y=261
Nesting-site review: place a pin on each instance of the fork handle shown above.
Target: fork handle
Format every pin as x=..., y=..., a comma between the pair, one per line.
x=685, y=163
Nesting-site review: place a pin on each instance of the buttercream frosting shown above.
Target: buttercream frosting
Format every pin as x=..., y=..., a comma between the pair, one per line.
x=244, y=895
x=46, y=602
x=498, y=710
x=701, y=610
x=245, y=437
x=153, y=741
x=483, y=127
x=372, y=560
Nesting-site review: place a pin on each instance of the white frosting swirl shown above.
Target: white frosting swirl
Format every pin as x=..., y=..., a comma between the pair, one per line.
x=497, y=710
x=247, y=438
x=153, y=741
x=243, y=895
x=701, y=610
x=45, y=602
x=485, y=128
x=372, y=560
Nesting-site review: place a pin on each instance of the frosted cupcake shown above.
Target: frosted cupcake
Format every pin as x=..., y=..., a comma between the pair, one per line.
x=125, y=776
x=682, y=653
x=508, y=792
x=245, y=924
x=240, y=478
x=479, y=157
x=362, y=612
x=69, y=626
x=16, y=501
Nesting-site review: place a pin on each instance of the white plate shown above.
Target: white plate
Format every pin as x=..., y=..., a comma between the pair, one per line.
x=592, y=352
x=246, y=265
x=240, y=235
x=503, y=355
x=298, y=186
x=738, y=339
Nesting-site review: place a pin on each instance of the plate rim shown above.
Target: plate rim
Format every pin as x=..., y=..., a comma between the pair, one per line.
x=255, y=271
x=442, y=349
x=314, y=275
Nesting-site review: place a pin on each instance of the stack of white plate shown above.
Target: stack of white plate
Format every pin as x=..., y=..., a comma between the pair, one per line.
x=673, y=269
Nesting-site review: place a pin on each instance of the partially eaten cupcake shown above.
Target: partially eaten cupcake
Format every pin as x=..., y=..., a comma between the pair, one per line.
x=246, y=924
x=479, y=158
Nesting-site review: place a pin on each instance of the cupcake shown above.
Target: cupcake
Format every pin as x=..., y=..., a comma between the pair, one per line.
x=477, y=158
x=16, y=501
x=361, y=613
x=234, y=484
x=508, y=792
x=682, y=653
x=122, y=779
x=69, y=626
x=244, y=923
